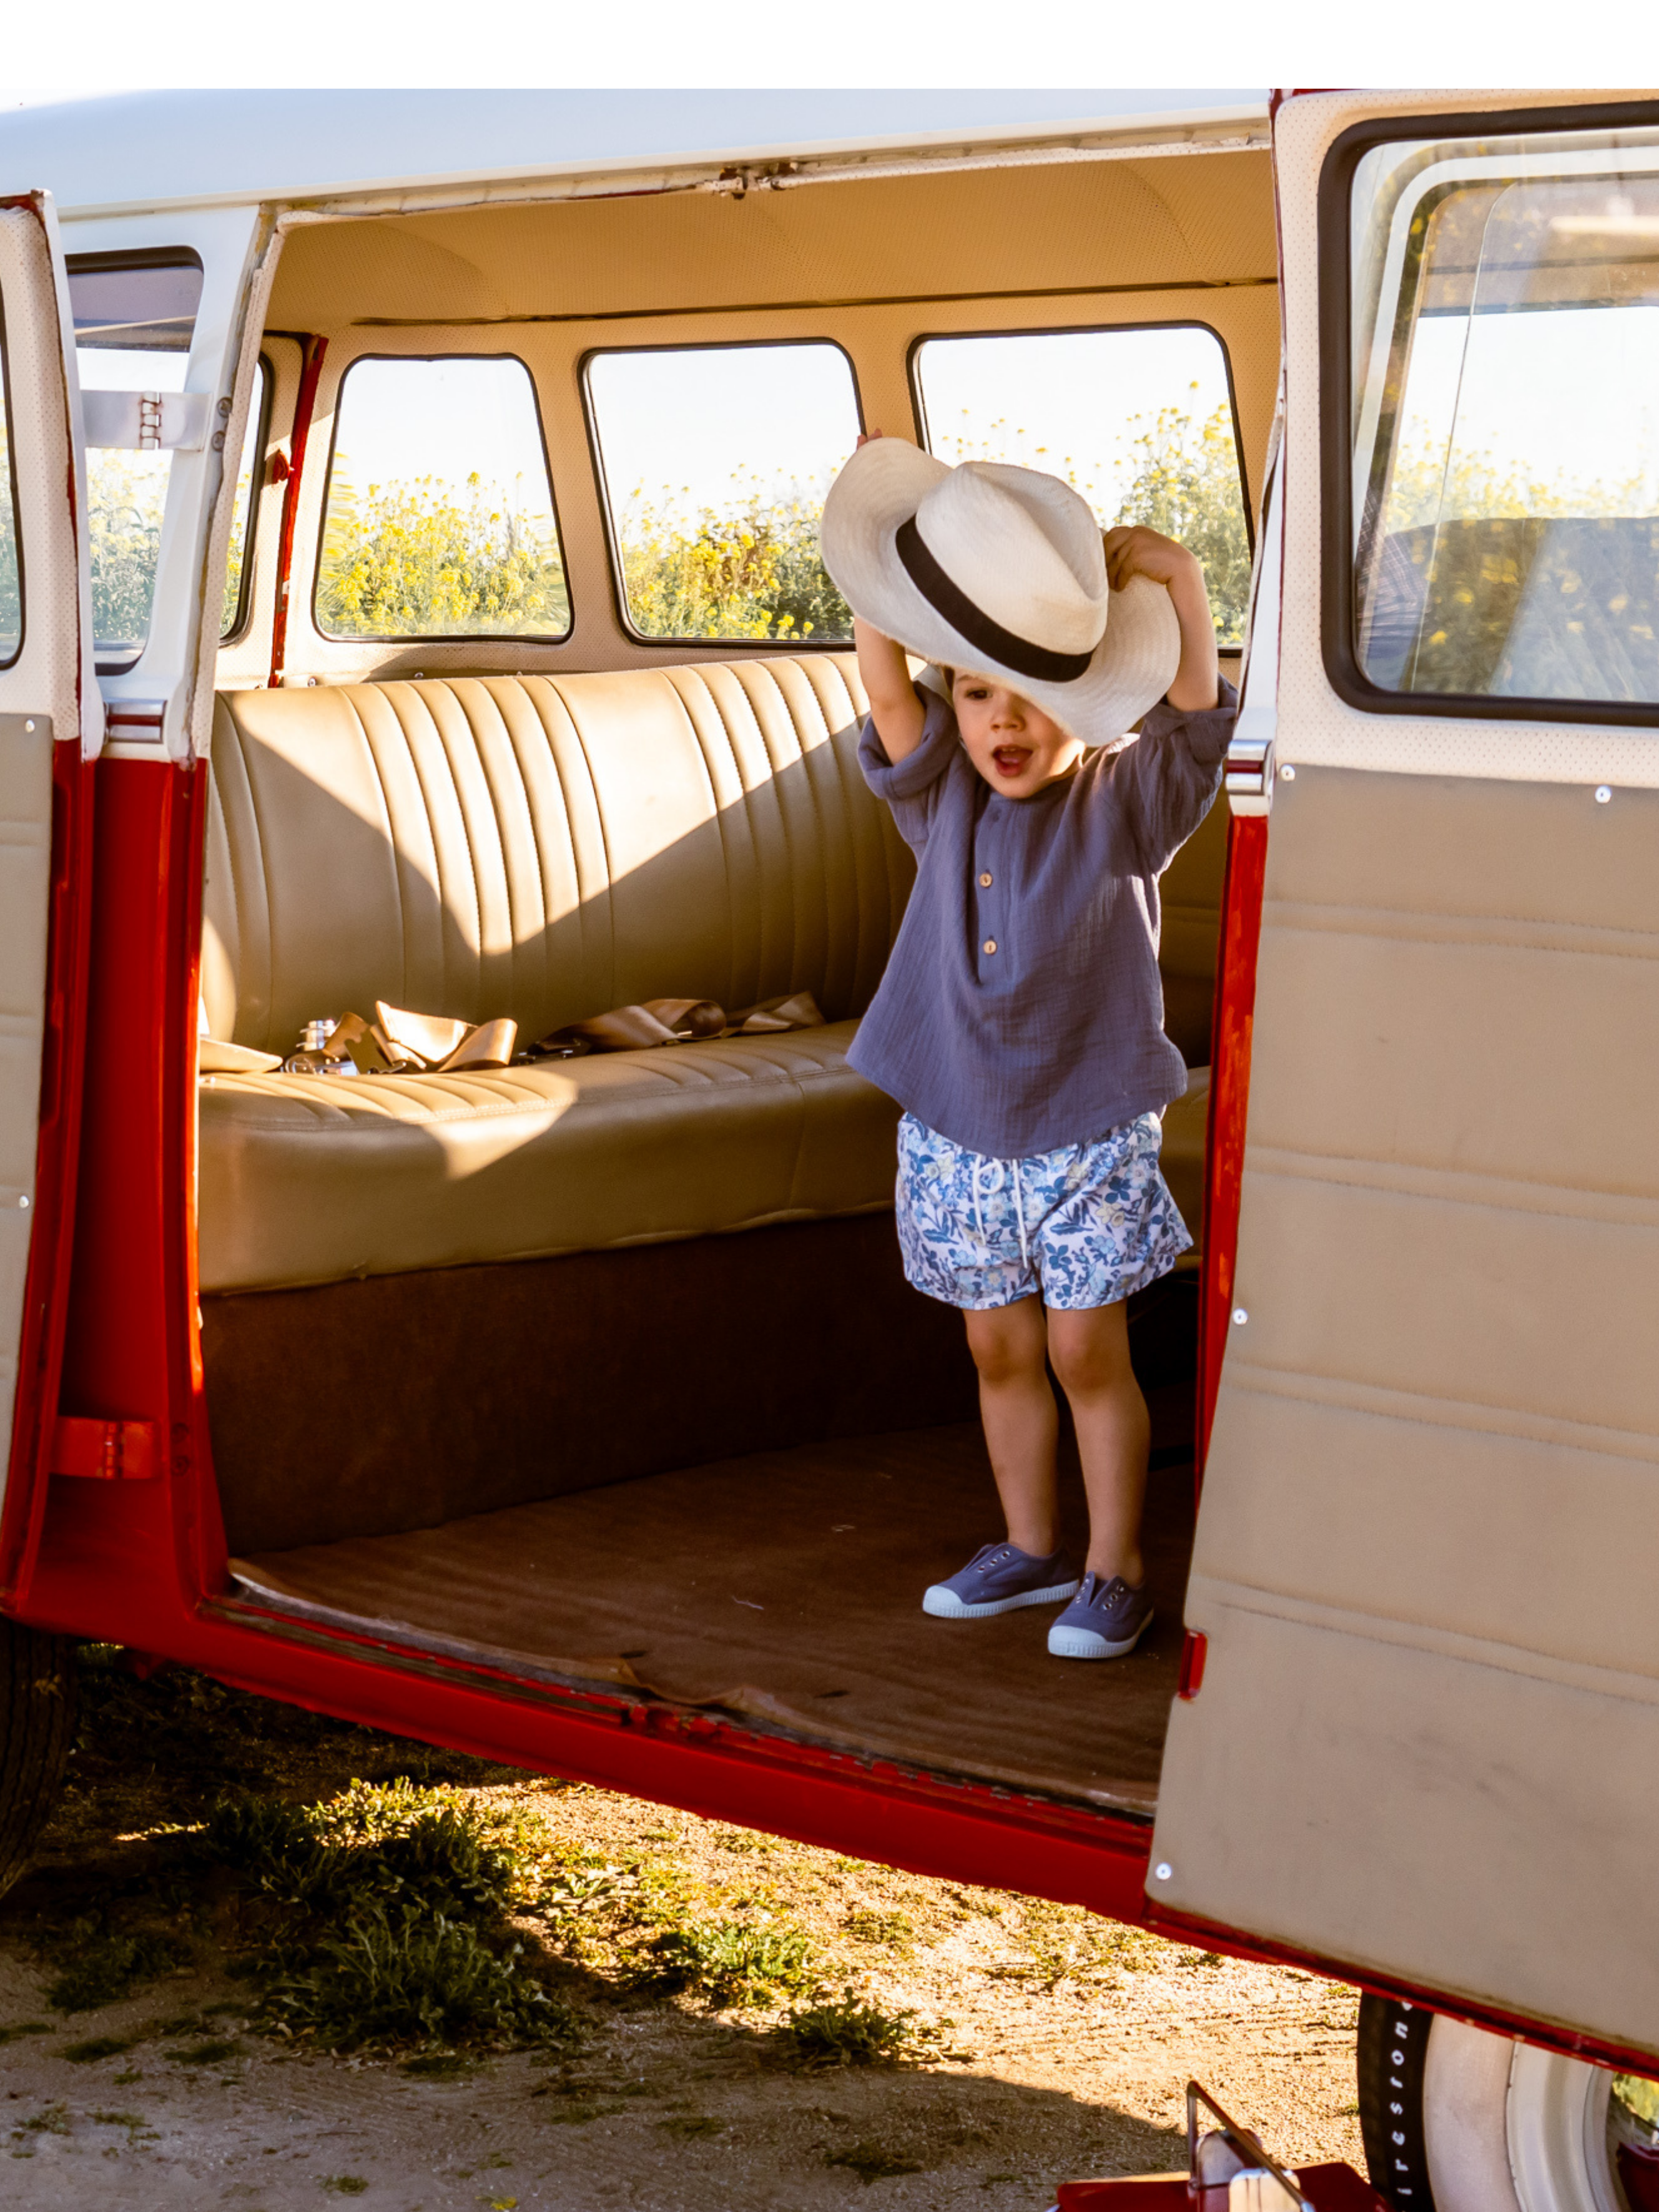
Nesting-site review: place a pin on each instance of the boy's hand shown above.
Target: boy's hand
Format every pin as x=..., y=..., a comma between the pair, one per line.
x=1140, y=552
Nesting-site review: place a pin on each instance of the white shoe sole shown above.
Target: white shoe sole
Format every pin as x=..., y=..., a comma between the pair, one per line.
x=1083, y=1643
x=943, y=1604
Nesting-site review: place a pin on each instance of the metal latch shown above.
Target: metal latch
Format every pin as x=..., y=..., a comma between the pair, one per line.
x=111, y=1451
x=1250, y=753
x=147, y=421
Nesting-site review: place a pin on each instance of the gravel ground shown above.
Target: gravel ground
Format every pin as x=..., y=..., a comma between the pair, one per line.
x=1041, y=2043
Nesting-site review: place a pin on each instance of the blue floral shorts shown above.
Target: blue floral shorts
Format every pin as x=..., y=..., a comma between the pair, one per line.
x=1082, y=1226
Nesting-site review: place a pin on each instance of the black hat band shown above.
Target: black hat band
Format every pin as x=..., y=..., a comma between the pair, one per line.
x=972, y=623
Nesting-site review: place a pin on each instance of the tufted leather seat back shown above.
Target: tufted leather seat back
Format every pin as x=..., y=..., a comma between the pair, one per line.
x=545, y=848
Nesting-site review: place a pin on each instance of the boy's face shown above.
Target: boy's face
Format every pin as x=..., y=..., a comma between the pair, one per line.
x=1012, y=744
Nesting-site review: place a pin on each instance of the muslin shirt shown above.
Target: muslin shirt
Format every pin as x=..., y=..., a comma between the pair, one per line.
x=1021, y=1008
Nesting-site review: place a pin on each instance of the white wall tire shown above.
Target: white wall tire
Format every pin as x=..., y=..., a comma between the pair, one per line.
x=1471, y=2122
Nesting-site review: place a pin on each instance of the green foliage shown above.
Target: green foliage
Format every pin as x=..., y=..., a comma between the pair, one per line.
x=1428, y=485
x=392, y=1904
x=844, y=2031
x=1638, y=2097
x=750, y=570
x=732, y=1962
x=419, y=558
x=390, y=1981
x=1185, y=484
x=125, y=493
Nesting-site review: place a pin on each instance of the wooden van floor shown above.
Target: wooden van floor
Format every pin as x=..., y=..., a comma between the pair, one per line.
x=786, y=1587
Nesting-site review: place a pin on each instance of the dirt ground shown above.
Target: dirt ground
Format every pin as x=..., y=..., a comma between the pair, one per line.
x=1026, y=2042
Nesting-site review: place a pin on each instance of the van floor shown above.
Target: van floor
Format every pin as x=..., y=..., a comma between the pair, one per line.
x=786, y=1586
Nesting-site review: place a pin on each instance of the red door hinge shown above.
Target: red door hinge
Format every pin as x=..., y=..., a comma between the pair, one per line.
x=115, y=1451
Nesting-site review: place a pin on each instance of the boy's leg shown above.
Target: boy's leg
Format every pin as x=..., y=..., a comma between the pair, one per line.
x=1010, y=1345
x=1090, y=1350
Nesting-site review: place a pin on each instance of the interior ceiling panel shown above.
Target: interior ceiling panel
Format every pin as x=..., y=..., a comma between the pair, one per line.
x=1121, y=224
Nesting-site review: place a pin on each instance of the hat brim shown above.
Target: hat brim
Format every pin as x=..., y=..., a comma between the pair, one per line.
x=879, y=488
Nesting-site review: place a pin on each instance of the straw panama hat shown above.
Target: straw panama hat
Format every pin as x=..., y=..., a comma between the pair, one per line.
x=1000, y=570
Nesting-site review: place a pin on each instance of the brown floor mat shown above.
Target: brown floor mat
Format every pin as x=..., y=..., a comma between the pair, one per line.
x=787, y=1586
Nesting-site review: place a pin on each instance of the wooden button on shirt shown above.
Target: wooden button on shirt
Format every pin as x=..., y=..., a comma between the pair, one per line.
x=1017, y=1039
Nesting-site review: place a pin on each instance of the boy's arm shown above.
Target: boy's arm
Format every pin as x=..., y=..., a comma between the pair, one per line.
x=1140, y=552
x=895, y=710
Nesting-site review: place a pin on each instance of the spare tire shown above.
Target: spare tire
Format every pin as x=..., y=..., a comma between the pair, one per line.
x=37, y=1729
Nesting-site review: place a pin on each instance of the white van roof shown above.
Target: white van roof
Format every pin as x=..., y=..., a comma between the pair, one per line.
x=131, y=151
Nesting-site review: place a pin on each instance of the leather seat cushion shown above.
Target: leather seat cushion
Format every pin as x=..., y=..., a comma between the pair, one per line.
x=308, y=1179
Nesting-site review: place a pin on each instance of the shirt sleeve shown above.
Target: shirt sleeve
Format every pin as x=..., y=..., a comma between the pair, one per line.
x=1167, y=781
x=911, y=787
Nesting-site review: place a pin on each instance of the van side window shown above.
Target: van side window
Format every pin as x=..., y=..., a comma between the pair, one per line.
x=244, y=515
x=716, y=460
x=438, y=520
x=1140, y=420
x=1505, y=389
x=135, y=315
x=11, y=576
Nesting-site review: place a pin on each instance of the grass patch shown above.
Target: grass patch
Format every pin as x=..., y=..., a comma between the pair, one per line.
x=53, y=2121
x=692, y=2125
x=579, y=2114
x=346, y=2185
x=24, y=2027
x=100, y=1966
x=892, y=1931
x=869, y=2162
x=845, y=2031
x=732, y=1962
x=205, y=2054
x=94, y=2047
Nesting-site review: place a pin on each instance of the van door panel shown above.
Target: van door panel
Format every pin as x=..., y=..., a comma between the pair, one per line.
x=1426, y=1743
x=50, y=715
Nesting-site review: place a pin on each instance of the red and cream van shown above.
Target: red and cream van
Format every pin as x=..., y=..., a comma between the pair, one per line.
x=409, y=597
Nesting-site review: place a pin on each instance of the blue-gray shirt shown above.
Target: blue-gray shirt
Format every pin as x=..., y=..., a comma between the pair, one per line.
x=1021, y=1007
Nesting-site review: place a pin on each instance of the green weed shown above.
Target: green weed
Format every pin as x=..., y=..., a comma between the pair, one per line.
x=345, y=2185
x=95, y=2047
x=844, y=2031
x=414, y=1980
x=205, y=2054
x=24, y=2027
x=734, y=1962
x=869, y=2162
x=691, y=2125
x=892, y=1931
x=100, y=1966
x=54, y=2121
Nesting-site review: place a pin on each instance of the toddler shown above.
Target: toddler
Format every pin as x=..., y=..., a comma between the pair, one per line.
x=1019, y=1023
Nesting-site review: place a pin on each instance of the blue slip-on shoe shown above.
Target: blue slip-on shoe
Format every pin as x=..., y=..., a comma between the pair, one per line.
x=997, y=1578
x=1102, y=1621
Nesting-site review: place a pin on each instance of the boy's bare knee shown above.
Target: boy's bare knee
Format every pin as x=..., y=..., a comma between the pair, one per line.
x=1007, y=1345
x=1088, y=1360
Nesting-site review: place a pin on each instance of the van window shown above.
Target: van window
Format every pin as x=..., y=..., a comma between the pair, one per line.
x=134, y=319
x=1506, y=397
x=1140, y=421
x=716, y=461
x=438, y=519
x=244, y=515
x=11, y=580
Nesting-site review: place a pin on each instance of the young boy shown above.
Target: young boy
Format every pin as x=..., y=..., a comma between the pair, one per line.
x=1019, y=1022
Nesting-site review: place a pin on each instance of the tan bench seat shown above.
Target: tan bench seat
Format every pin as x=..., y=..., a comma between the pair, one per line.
x=545, y=849
x=397, y=1172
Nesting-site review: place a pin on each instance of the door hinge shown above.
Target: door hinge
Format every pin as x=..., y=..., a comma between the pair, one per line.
x=113, y=1451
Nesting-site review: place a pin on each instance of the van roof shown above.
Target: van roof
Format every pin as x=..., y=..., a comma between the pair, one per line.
x=128, y=152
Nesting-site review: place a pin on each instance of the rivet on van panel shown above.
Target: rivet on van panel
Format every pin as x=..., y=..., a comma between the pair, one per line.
x=1603, y=793
x=24, y=1200
x=1288, y=772
x=1239, y=1316
x=1163, y=1870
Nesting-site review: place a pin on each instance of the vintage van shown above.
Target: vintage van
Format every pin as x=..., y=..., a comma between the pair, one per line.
x=574, y=1410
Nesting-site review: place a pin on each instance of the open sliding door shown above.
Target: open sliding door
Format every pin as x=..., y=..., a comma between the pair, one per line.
x=1426, y=1740
x=51, y=728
